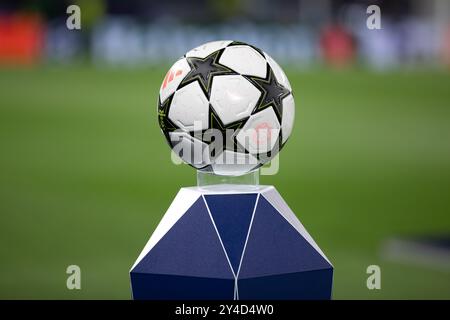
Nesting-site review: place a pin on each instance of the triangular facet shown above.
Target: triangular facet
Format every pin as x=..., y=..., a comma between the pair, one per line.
x=232, y=214
x=190, y=248
x=182, y=202
x=281, y=206
x=275, y=247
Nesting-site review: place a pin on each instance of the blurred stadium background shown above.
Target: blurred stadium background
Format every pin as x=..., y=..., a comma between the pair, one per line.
x=86, y=175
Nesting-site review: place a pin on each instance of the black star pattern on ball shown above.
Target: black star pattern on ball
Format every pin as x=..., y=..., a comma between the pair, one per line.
x=272, y=93
x=165, y=123
x=203, y=71
x=217, y=126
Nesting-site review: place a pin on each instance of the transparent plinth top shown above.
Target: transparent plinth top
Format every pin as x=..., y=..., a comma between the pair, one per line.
x=208, y=179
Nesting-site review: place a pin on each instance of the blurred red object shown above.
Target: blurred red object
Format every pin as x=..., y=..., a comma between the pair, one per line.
x=337, y=46
x=21, y=39
x=445, y=49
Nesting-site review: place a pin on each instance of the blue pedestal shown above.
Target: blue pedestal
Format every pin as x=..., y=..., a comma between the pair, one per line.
x=231, y=242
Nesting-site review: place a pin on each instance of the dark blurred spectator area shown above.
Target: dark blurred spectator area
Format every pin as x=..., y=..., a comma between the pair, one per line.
x=296, y=32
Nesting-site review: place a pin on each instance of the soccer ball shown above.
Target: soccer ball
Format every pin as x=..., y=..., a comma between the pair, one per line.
x=226, y=107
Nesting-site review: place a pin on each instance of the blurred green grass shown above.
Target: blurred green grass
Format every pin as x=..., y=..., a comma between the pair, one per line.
x=86, y=175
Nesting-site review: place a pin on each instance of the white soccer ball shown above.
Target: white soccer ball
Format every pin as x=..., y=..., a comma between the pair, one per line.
x=226, y=107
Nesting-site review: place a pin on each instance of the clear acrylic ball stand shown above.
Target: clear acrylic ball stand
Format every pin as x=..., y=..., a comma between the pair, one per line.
x=208, y=180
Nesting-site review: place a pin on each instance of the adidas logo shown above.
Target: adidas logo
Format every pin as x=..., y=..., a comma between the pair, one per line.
x=170, y=76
